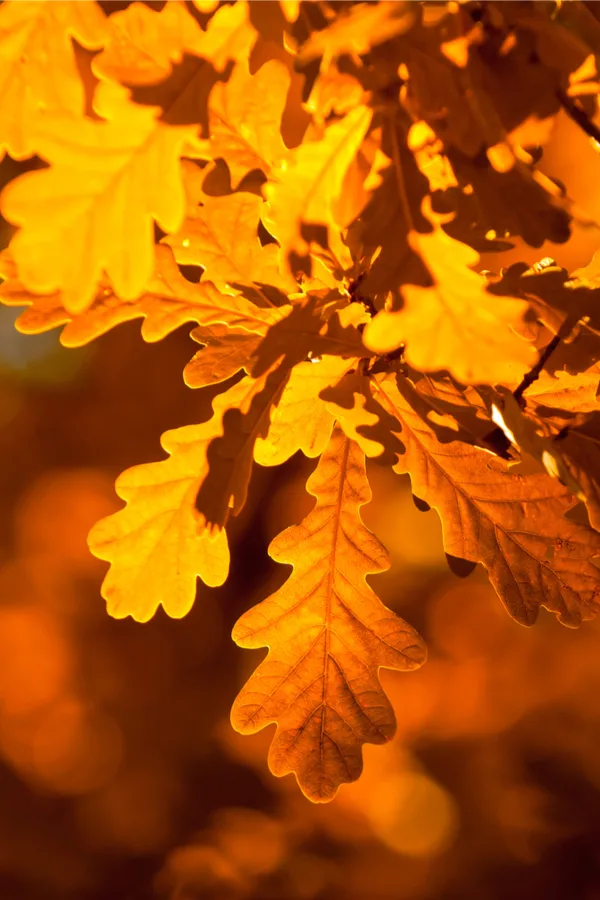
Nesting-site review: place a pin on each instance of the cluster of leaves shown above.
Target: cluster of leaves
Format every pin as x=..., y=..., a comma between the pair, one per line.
x=311, y=184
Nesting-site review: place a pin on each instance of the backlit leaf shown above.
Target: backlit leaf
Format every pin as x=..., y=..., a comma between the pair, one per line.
x=221, y=235
x=143, y=43
x=328, y=634
x=244, y=119
x=168, y=302
x=455, y=324
x=226, y=350
x=358, y=29
x=514, y=524
x=301, y=420
x=38, y=69
x=106, y=183
x=305, y=185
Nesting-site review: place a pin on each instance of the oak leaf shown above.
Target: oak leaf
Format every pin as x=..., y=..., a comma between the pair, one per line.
x=159, y=542
x=328, y=634
x=301, y=420
x=167, y=302
x=357, y=30
x=455, y=324
x=571, y=393
x=157, y=545
x=514, y=524
x=106, y=182
x=304, y=187
x=221, y=235
x=226, y=351
x=143, y=43
x=38, y=68
x=244, y=116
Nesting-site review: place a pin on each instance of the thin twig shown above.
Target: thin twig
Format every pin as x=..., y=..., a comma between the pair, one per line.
x=534, y=374
x=578, y=114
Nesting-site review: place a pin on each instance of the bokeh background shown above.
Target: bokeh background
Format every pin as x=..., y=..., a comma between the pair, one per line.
x=120, y=776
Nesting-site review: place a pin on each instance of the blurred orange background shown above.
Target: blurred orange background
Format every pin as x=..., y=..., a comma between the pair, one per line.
x=120, y=776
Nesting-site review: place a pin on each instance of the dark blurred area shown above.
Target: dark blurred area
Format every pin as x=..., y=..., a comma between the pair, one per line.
x=120, y=776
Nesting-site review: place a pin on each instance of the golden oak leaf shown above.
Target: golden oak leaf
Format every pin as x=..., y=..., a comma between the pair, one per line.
x=168, y=301
x=159, y=542
x=334, y=91
x=244, y=116
x=229, y=34
x=455, y=324
x=226, y=351
x=513, y=524
x=92, y=210
x=143, y=43
x=304, y=187
x=301, y=420
x=38, y=69
x=359, y=28
x=571, y=393
x=221, y=235
x=157, y=545
x=328, y=634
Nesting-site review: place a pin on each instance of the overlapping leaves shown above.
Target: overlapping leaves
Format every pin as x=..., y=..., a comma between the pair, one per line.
x=313, y=193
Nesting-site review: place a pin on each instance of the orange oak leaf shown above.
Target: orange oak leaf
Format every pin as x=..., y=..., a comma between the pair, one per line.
x=226, y=351
x=143, y=43
x=244, y=116
x=168, y=301
x=514, y=524
x=455, y=324
x=328, y=634
x=304, y=186
x=571, y=393
x=358, y=29
x=301, y=420
x=221, y=235
x=38, y=69
x=106, y=182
